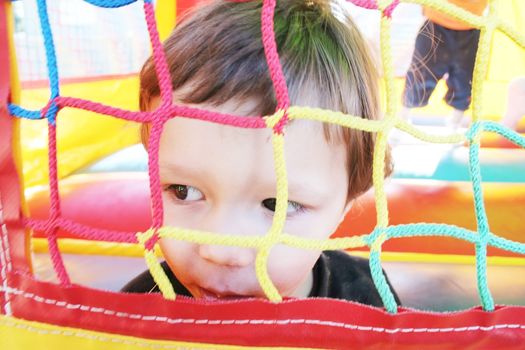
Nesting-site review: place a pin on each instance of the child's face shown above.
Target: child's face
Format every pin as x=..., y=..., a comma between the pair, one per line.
x=221, y=179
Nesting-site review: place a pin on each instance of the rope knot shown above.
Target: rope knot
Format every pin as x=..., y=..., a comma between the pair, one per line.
x=277, y=121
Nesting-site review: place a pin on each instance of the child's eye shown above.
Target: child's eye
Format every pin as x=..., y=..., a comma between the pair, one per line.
x=293, y=207
x=185, y=193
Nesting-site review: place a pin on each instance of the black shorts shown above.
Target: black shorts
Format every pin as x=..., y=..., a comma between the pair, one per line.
x=439, y=51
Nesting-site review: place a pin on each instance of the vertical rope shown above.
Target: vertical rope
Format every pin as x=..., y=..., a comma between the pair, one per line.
x=157, y=272
x=51, y=60
x=480, y=71
x=272, y=56
x=378, y=175
x=481, y=218
x=279, y=219
x=277, y=122
x=159, y=58
x=154, y=175
x=54, y=210
x=50, y=112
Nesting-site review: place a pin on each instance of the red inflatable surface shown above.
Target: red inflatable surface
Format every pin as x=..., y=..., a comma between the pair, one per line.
x=125, y=207
x=311, y=323
x=411, y=201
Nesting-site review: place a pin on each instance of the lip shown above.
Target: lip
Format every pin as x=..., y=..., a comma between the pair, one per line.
x=210, y=295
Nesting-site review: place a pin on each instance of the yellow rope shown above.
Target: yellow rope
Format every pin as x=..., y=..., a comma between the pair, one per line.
x=275, y=235
x=158, y=274
x=327, y=116
x=279, y=218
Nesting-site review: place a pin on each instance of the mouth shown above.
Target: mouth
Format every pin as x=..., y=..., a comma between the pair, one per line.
x=210, y=295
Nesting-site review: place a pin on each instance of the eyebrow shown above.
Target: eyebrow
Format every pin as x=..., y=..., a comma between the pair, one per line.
x=177, y=169
x=313, y=192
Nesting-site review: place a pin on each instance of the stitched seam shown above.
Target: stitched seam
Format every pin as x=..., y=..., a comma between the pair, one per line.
x=5, y=261
x=5, y=238
x=325, y=323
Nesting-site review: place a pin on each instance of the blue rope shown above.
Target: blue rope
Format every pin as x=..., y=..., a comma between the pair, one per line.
x=480, y=239
x=111, y=3
x=18, y=111
x=51, y=59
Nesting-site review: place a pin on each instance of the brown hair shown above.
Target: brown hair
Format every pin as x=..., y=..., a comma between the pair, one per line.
x=218, y=50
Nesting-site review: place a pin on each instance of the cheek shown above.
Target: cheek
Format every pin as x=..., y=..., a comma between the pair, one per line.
x=178, y=255
x=169, y=214
x=177, y=215
x=288, y=267
x=317, y=224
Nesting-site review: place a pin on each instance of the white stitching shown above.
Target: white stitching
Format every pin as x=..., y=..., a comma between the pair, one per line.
x=5, y=260
x=80, y=334
x=260, y=321
x=5, y=237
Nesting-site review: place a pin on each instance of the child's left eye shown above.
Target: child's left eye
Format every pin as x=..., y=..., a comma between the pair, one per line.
x=293, y=207
x=185, y=193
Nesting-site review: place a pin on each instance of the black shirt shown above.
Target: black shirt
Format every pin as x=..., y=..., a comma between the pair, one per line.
x=336, y=274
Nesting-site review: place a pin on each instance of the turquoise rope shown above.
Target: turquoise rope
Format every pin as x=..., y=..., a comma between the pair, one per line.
x=431, y=230
x=509, y=134
x=481, y=217
x=380, y=282
x=481, y=239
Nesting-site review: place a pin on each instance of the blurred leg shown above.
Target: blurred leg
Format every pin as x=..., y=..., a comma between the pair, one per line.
x=459, y=82
x=515, y=103
x=425, y=69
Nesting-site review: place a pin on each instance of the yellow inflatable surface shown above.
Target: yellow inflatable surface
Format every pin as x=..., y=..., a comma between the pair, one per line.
x=21, y=334
x=104, y=135
x=101, y=135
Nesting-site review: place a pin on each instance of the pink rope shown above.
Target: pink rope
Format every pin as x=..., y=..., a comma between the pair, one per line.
x=165, y=112
x=252, y=122
x=150, y=243
x=274, y=65
x=154, y=176
x=159, y=58
x=83, y=231
x=367, y=4
x=372, y=5
x=255, y=122
x=390, y=8
x=99, y=108
x=54, y=214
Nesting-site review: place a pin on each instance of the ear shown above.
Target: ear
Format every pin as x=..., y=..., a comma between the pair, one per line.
x=346, y=209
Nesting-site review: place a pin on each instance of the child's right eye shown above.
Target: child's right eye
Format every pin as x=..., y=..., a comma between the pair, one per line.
x=185, y=193
x=293, y=207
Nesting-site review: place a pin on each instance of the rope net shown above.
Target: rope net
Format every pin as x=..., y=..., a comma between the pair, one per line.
x=147, y=240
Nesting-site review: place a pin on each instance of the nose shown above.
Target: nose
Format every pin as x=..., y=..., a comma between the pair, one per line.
x=234, y=221
x=227, y=256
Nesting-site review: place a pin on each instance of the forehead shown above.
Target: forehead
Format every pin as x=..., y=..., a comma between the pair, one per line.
x=244, y=157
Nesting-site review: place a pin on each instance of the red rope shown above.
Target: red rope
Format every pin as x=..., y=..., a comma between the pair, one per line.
x=54, y=212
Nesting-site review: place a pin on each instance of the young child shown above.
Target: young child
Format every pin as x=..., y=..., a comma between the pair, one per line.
x=444, y=45
x=221, y=178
